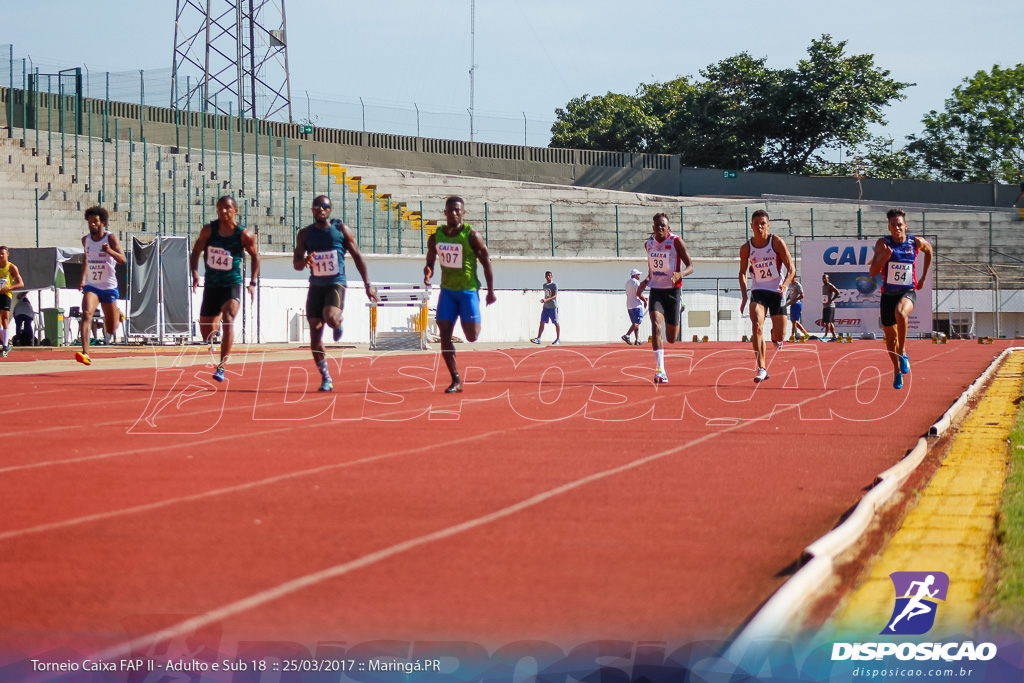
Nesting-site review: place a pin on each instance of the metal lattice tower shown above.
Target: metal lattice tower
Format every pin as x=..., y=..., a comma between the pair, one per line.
x=231, y=51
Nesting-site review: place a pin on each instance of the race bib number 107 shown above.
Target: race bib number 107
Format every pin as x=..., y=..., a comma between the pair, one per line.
x=450, y=255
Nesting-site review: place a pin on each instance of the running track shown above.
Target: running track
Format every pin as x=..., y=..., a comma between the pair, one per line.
x=580, y=502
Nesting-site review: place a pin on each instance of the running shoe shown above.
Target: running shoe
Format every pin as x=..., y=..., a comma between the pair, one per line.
x=778, y=346
x=904, y=364
x=556, y=343
x=326, y=385
x=660, y=377
x=6, y=350
x=760, y=376
x=625, y=338
x=897, y=380
x=219, y=375
x=638, y=342
x=455, y=387
x=337, y=333
x=83, y=358
x=535, y=340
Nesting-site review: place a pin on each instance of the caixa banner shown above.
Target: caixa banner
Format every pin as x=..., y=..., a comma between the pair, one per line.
x=846, y=262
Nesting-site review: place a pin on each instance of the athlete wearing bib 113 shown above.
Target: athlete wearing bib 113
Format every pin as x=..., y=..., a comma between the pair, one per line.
x=223, y=258
x=100, y=276
x=460, y=287
x=766, y=273
x=327, y=279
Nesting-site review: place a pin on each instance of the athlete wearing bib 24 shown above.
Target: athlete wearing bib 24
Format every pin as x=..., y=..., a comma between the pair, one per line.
x=668, y=263
x=765, y=256
x=99, y=279
x=458, y=247
x=896, y=259
x=10, y=279
x=224, y=244
x=322, y=247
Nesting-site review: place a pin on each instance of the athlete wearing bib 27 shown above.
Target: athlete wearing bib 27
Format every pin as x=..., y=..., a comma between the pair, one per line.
x=765, y=257
x=896, y=259
x=225, y=243
x=10, y=279
x=668, y=263
x=99, y=279
x=458, y=247
x=322, y=247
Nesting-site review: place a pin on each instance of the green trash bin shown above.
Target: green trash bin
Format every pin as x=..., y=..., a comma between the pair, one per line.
x=53, y=325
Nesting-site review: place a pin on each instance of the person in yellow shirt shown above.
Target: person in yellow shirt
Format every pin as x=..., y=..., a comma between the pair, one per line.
x=10, y=280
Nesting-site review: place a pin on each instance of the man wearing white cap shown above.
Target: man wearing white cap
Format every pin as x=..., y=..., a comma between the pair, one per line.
x=635, y=304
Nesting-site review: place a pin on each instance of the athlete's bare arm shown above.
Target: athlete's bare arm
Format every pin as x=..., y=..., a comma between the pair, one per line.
x=881, y=256
x=197, y=249
x=299, y=257
x=684, y=256
x=923, y=246
x=780, y=247
x=744, y=268
x=428, y=270
x=249, y=244
x=480, y=248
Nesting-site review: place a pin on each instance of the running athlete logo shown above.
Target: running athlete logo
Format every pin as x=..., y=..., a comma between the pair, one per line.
x=917, y=596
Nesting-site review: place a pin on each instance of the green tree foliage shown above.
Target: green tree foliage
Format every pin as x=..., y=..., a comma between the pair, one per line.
x=980, y=135
x=876, y=158
x=741, y=113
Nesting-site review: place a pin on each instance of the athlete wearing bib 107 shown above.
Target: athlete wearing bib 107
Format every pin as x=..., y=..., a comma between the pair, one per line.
x=896, y=260
x=668, y=263
x=322, y=247
x=99, y=279
x=765, y=257
x=458, y=247
x=223, y=243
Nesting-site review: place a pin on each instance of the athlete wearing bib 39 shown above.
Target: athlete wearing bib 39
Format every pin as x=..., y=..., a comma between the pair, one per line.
x=99, y=279
x=668, y=263
x=10, y=279
x=896, y=260
x=458, y=247
x=322, y=247
x=224, y=244
x=765, y=257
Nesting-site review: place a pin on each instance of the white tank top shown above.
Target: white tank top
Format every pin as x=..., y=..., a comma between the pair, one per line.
x=765, y=266
x=100, y=271
x=663, y=260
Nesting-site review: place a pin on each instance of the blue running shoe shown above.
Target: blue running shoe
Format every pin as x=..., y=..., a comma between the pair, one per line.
x=904, y=364
x=219, y=375
x=326, y=385
x=897, y=380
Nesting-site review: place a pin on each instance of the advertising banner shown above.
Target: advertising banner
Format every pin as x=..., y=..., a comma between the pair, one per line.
x=847, y=262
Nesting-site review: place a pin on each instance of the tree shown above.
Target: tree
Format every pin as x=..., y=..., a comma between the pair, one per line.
x=876, y=158
x=742, y=114
x=980, y=135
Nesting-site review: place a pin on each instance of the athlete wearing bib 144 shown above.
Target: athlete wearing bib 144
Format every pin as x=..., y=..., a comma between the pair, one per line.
x=765, y=257
x=668, y=263
x=10, y=279
x=895, y=259
x=99, y=279
x=458, y=247
x=321, y=247
x=223, y=244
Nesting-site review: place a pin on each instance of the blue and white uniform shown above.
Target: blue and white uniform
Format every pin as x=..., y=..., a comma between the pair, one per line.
x=900, y=272
x=101, y=276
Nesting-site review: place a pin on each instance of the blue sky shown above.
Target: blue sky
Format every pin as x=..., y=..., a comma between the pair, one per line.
x=534, y=55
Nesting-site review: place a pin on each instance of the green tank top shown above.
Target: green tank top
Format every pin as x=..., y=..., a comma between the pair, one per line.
x=458, y=260
x=224, y=257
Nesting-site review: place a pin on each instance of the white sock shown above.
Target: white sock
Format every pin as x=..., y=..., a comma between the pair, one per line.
x=659, y=359
x=3, y=337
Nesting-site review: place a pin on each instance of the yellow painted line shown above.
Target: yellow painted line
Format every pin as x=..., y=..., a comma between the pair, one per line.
x=953, y=523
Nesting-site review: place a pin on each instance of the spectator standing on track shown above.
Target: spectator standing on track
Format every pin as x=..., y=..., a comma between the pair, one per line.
x=896, y=258
x=322, y=246
x=829, y=294
x=99, y=279
x=794, y=299
x=766, y=257
x=668, y=263
x=458, y=247
x=549, y=313
x=225, y=244
x=23, y=316
x=635, y=304
x=10, y=279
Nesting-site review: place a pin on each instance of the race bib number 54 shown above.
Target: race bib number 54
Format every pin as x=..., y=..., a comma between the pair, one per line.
x=899, y=274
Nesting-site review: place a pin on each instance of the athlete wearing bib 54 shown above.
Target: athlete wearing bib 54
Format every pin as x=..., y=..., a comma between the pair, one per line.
x=765, y=257
x=10, y=279
x=99, y=279
x=458, y=247
x=322, y=247
x=896, y=259
x=668, y=263
x=224, y=244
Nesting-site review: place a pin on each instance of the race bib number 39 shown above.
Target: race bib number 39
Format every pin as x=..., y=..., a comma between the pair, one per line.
x=660, y=262
x=450, y=255
x=325, y=263
x=899, y=274
x=218, y=259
